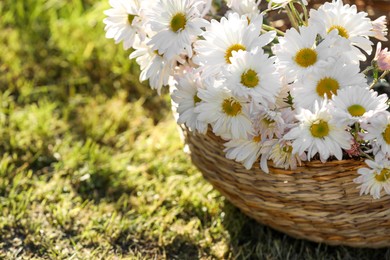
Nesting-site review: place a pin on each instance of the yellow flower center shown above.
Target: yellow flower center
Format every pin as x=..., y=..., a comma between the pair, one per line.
x=268, y=121
x=327, y=86
x=231, y=107
x=250, y=79
x=287, y=149
x=130, y=18
x=178, y=22
x=158, y=54
x=196, y=99
x=356, y=110
x=306, y=57
x=234, y=47
x=386, y=134
x=257, y=138
x=319, y=129
x=383, y=175
x=342, y=31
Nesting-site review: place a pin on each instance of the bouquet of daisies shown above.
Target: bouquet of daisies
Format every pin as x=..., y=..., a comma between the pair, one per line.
x=277, y=96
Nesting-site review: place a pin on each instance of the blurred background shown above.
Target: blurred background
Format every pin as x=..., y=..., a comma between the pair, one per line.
x=91, y=163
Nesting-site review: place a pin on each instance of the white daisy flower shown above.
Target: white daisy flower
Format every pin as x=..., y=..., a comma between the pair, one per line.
x=280, y=152
x=283, y=157
x=256, y=19
x=354, y=26
x=154, y=67
x=227, y=114
x=269, y=123
x=124, y=22
x=298, y=54
x=355, y=104
x=379, y=155
x=284, y=96
x=378, y=131
x=253, y=74
x=231, y=3
x=375, y=178
x=316, y=132
x=244, y=150
x=204, y=6
x=382, y=57
x=176, y=24
x=223, y=39
x=249, y=8
x=186, y=98
x=325, y=82
x=379, y=28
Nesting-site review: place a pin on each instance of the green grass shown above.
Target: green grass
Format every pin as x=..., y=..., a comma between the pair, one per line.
x=91, y=163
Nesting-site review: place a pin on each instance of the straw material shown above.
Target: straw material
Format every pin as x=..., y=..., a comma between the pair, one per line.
x=318, y=202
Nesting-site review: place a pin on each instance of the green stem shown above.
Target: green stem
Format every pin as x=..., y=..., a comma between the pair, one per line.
x=375, y=74
x=304, y=12
x=270, y=28
x=366, y=155
x=384, y=74
x=292, y=19
x=366, y=70
x=296, y=14
x=357, y=130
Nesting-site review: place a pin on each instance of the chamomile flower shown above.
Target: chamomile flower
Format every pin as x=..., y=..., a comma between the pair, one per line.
x=253, y=74
x=280, y=152
x=269, y=123
x=298, y=53
x=204, y=6
x=379, y=28
x=244, y=150
x=351, y=25
x=176, y=24
x=248, y=8
x=325, y=82
x=355, y=104
x=283, y=98
x=382, y=57
x=378, y=131
x=124, y=22
x=316, y=132
x=231, y=3
x=379, y=155
x=375, y=178
x=186, y=98
x=223, y=39
x=154, y=67
x=227, y=114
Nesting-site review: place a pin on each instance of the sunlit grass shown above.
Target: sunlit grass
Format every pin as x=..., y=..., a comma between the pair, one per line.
x=91, y=163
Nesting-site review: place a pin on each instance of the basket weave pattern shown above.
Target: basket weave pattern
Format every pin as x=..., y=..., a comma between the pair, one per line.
x=319, y=202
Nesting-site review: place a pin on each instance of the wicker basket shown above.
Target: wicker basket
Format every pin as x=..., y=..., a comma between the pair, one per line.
x=319, y=202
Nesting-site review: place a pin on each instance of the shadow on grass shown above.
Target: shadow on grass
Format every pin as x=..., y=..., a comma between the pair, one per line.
x=126, y=243
x=180, y=247
x=16, y=242
x=101, y=185
x=251, y=240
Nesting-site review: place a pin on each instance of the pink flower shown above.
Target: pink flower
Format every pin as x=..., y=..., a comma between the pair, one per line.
x=355, y=149
x=379, y=28
x=382, y=57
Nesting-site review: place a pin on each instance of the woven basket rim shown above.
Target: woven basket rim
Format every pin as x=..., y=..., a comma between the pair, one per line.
x=357, y=162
